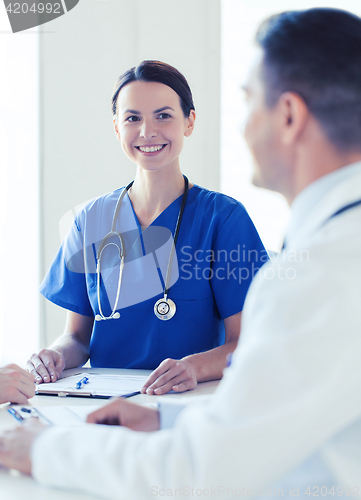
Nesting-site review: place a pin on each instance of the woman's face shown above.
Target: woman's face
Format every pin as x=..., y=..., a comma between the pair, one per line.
x=151, y=125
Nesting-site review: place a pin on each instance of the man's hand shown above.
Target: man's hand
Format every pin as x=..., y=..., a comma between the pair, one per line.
x=16, y=385
x=46, y=365
x=15, y=445
x=171, y=375
x=122, y=412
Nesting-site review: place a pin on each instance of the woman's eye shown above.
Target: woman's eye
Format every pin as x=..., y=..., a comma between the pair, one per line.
x=132, y=118
x=163, y=116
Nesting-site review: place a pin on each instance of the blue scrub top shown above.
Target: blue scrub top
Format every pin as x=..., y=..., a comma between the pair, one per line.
x=217, y=254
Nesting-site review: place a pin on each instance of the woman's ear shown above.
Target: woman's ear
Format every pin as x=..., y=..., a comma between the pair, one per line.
x=115, y=126
x=190, y=123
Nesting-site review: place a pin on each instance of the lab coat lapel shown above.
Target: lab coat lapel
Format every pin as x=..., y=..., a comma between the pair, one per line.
x=346, y=192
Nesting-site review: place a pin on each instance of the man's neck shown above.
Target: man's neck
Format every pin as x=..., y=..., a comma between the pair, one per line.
x=315, y=164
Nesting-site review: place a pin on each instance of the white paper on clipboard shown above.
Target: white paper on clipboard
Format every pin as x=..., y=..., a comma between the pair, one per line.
x=62, y=415
x=99, y=385
x=57, y=415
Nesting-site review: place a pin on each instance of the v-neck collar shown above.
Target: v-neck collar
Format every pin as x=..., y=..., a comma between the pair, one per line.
x=154, y=222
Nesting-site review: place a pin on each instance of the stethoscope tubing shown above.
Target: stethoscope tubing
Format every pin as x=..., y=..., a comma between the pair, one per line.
x=121, y=248
x=103, y=245
x=175, y=239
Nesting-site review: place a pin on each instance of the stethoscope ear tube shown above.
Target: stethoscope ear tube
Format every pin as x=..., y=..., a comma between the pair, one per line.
x=113, y=315
x=121, y=248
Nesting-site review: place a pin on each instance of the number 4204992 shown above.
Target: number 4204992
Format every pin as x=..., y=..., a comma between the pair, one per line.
x=35, y=8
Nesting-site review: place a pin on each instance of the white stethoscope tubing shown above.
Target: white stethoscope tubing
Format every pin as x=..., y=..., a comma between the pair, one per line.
x=121, y=248
x=113, y=314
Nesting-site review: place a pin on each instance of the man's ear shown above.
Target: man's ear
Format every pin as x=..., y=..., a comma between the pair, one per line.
x=190, y=123
x=293, y=114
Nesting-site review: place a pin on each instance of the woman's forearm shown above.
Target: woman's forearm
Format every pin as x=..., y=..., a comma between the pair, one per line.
x=74, y=349
x=68, y=351
x=209, y=365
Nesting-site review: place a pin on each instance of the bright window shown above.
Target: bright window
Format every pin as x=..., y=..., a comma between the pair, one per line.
x=19, y=213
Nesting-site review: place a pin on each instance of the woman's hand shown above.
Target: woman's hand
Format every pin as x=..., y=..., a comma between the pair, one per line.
x=171, y=375
x=16, y=385
x=69, y=351
x=15, y=445
x=46, y=365
x=122, y=412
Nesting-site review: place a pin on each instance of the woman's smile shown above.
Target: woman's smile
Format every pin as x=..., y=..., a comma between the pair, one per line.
x=151, y=150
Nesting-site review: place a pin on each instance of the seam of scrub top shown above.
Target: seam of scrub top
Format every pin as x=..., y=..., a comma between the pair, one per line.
x=223, y=223
x=209, y=195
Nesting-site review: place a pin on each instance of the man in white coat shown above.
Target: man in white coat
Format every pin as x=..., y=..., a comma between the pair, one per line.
x=286, y=418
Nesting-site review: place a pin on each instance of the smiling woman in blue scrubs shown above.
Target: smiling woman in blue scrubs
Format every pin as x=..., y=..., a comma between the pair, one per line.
x=132, y=301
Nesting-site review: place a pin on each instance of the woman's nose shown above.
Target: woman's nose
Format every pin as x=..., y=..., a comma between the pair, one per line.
x=147, y=130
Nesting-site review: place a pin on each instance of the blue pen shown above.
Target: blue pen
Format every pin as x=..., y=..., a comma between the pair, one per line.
x=81, y=382
x=131, y=394
x=228, y=360
x=16, y=414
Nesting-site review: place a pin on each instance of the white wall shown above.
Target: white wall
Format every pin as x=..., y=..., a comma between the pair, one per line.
x=81, y=55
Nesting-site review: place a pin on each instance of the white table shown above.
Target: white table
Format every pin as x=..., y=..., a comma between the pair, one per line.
x=16, y=486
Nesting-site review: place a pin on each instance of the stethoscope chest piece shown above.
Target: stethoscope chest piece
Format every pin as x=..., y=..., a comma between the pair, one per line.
x=164, y=309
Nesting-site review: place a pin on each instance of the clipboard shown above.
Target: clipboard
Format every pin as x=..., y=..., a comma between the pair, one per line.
x=54, y=415
x=99, y=386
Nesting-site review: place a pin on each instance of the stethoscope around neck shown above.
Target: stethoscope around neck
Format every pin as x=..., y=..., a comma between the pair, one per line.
x=164, y=308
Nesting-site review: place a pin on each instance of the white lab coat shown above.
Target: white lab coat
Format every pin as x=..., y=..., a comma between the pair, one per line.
x=288, y=410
